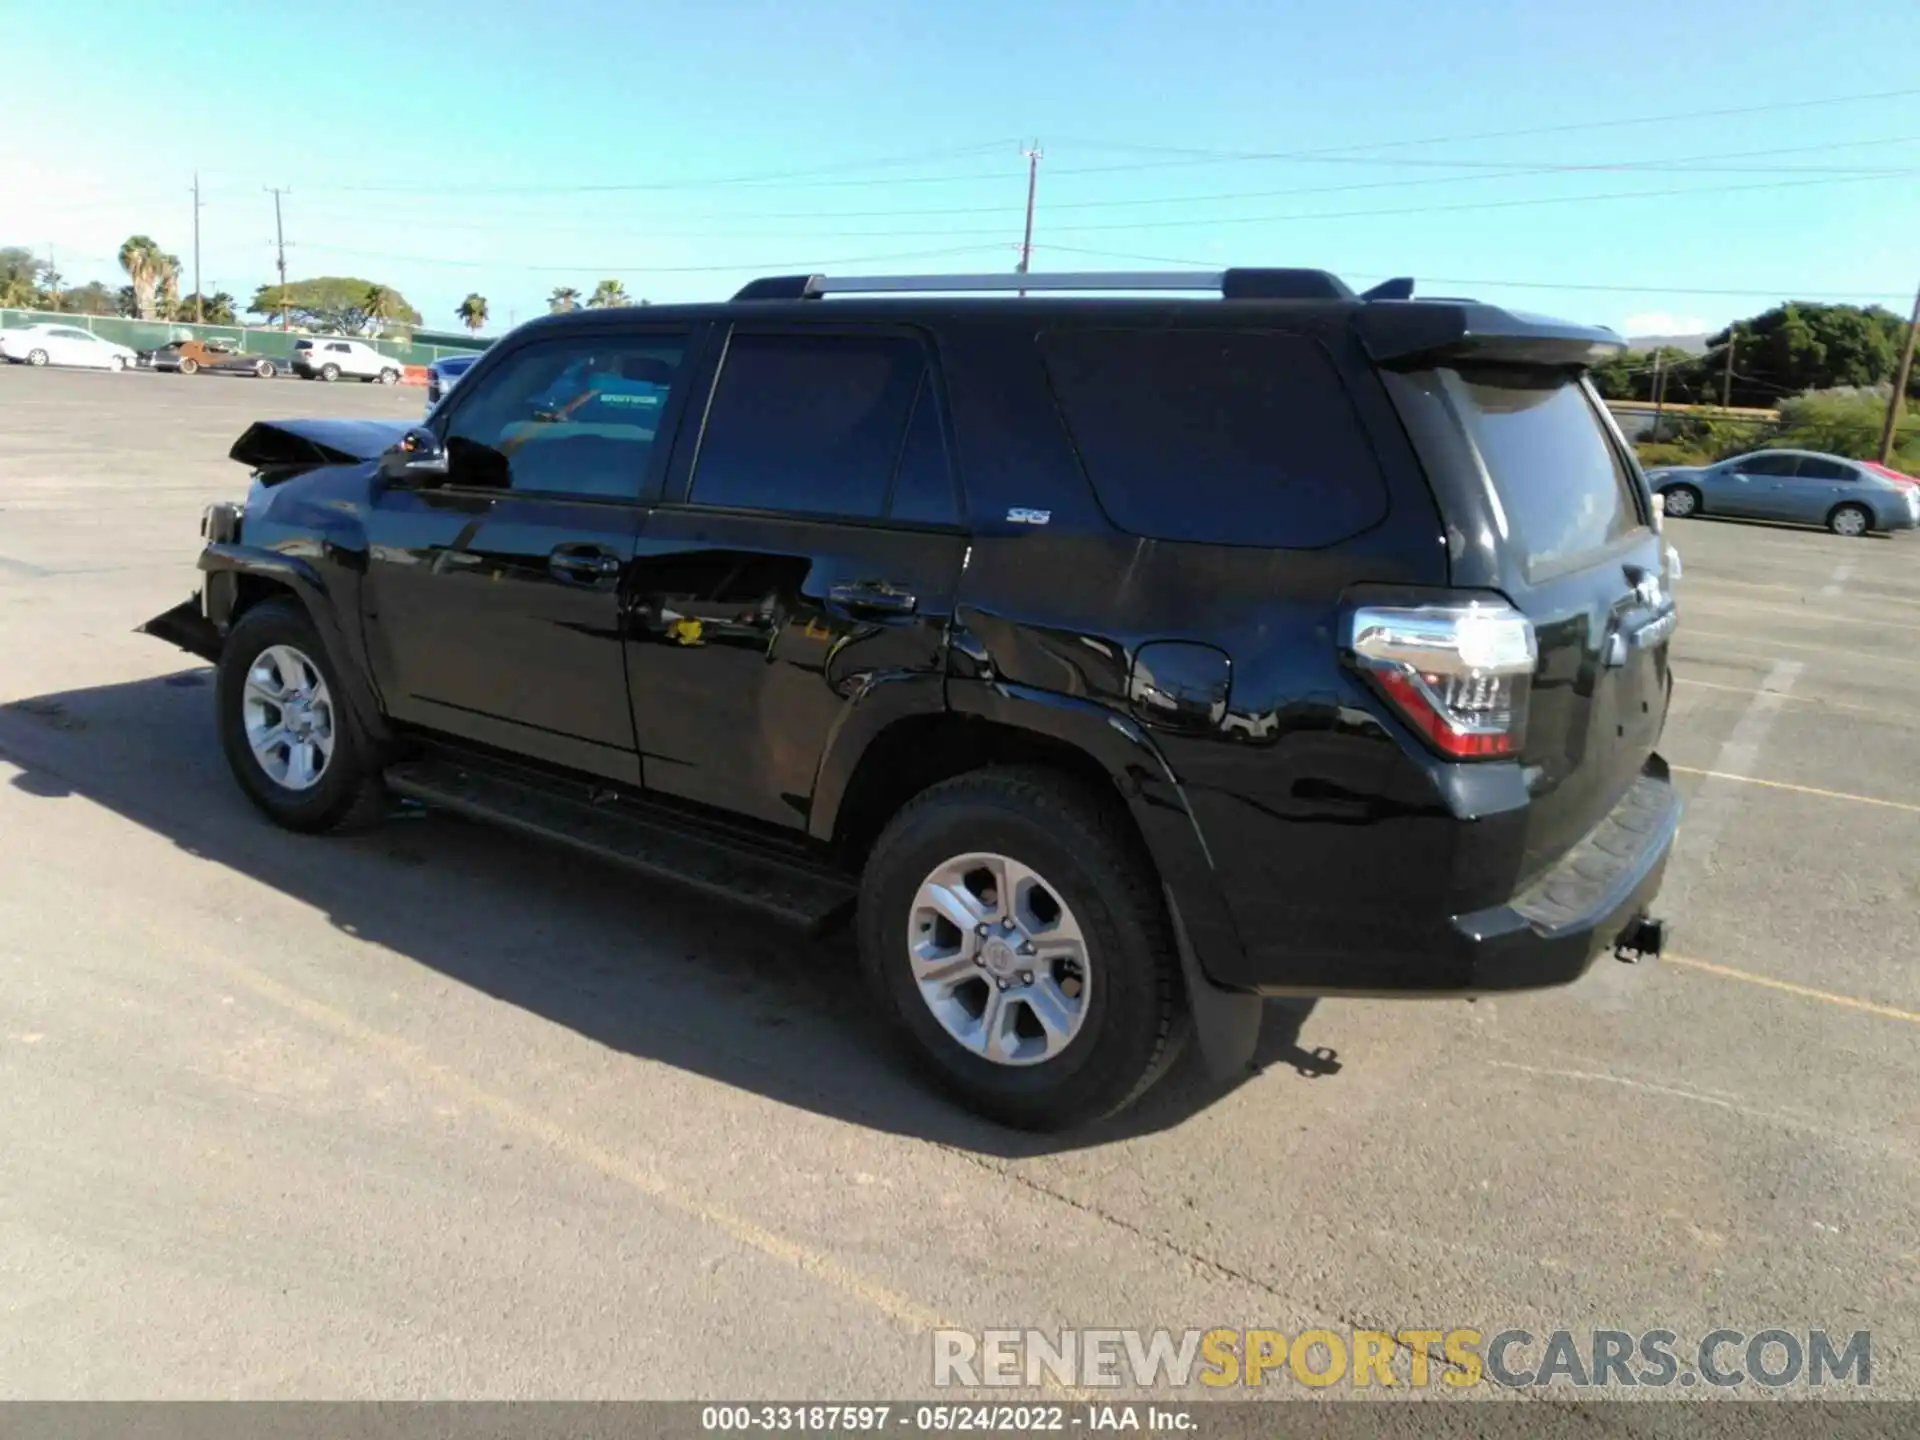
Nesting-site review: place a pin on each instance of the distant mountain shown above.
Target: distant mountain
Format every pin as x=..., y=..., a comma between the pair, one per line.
x=1692, y=344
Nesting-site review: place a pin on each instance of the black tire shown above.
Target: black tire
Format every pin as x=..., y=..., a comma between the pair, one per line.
x=1692, y=503
x=388, y=377
x=1136, y=1022
x=348, y=794
x=329, y=372
x=263, y=369
x=37, y=357
x=1854, y=515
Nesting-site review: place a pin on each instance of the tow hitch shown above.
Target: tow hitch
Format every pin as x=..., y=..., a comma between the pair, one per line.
x=1642, y=940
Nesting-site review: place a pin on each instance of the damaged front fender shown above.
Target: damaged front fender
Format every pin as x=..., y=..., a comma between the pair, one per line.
x=187, y=626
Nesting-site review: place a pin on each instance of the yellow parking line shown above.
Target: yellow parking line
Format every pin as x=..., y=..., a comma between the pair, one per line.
x=1797, y=789
x=1824, y=704
x=1805, y=992
x=629, y=1171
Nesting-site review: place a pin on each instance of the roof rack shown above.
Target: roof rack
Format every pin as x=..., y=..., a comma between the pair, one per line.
x=1241, y=284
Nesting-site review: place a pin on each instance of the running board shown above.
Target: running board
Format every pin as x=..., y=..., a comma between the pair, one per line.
x=813, y=898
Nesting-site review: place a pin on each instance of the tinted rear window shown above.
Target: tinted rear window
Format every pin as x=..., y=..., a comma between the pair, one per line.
x=1217, y=436
x=1565, y=489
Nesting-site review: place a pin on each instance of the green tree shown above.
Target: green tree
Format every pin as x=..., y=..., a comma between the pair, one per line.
x=608, y=293
x=92, y=298
x=217, y=308
x=1633, y=375
x=26, y=281
x=147, y=266
x=1845, y=420
x=564, y=298
x=472, y=312
x=1801, y=346
x=389, y=313
x=337, y=303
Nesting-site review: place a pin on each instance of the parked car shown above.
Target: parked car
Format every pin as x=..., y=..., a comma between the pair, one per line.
x=1093, y=655
x=51, y=344
x=443, y=374
x=326, y=357
x=1849, y=497
x=190, y=357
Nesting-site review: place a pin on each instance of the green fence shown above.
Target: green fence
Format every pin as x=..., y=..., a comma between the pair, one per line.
x=250, y=340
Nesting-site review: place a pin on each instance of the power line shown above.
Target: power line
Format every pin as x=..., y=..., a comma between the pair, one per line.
x=761, y=266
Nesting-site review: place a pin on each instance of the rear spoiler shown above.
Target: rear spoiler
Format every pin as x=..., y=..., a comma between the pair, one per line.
x=1404, y=334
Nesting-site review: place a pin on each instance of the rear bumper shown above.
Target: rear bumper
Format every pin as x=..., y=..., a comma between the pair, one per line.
x=1553, y=931
x=1548, y=934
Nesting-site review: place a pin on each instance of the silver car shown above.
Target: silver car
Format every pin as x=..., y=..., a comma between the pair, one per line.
x=1846, y=496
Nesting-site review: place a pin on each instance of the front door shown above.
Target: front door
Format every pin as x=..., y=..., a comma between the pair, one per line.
x=808, y=552
x=496, y=602
x=1752, y=485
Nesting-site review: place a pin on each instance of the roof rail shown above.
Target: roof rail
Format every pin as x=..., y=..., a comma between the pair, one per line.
x=1240, y=284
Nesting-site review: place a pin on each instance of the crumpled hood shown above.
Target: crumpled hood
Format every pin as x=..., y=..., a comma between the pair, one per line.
x=281, y=449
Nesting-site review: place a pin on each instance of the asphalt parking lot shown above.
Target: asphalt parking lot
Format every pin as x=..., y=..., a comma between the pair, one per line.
x=433, y=1112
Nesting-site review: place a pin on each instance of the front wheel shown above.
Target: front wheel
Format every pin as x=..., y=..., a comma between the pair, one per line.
x=329, y=373
x=36, y=357
x=264, y=369
x=1851, y=521
x=285, y=728
x=1016, y=935
x=1681, y=501
x=189, y=366
x=117, y=363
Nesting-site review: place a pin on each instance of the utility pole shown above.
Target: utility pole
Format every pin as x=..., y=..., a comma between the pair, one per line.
x=1901, y=372
x=280, y=245
x=53, y=279
x=1659, y=393
x=199, y=295
x=1726, y=379
x=1033, y=184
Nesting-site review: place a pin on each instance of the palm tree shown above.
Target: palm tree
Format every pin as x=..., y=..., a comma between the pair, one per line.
x=607, y=293
x=146, y=266
x=167, y=300
x=563, y=298
x=472, y=312
x=382, y=305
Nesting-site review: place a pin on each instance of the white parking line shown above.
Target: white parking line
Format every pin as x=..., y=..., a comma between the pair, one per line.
x=1717, y=796
x=1841, y=573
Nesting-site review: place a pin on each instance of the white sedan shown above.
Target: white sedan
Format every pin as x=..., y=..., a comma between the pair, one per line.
x=63, y=345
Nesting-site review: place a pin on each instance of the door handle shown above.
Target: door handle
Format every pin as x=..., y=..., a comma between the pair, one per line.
x=874, y=595
x=584, y=564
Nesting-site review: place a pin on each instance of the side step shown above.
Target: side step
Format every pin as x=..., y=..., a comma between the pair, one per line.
x=814, y=898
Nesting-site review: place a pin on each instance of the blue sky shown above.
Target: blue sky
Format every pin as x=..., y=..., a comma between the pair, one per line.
x=682, y=147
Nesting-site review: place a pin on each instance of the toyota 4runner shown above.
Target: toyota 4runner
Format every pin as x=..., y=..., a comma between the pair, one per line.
x=1113, y=662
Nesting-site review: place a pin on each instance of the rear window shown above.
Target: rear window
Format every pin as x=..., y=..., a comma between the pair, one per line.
x=1222, y=437
x=1565, y=489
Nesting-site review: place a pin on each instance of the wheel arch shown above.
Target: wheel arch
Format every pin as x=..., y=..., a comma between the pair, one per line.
x=881, y=760
x=242, y=577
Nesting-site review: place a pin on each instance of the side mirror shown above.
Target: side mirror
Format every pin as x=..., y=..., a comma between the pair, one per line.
x=418, y=458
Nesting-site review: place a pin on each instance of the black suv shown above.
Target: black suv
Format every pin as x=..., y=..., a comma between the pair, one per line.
x=1118, y=660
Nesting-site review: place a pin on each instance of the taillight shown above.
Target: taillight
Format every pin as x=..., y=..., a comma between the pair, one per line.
x=1458, y=674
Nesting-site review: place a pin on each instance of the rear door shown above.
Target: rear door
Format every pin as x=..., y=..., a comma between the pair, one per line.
x=1573, y=547
x=1815, y=487
x=808, y=550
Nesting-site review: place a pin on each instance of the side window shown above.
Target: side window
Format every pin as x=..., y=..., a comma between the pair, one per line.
x=1768, y=465
x=573, y=416
x=923, y=481
x=1812, y=469
x=808, y=424
x=1222, y=437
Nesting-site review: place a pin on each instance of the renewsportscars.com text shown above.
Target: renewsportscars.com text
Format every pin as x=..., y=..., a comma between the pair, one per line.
x=1457, y=1359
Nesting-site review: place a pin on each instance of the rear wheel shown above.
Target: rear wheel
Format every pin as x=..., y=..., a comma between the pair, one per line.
x=36, y=357
x=1017, y=937
x=1681, y=501
x=1850, y=520
x=389, y=377
x=285, y=728
x=329, y=373
x=116, y=363
x=264, y=369
x=188, y=365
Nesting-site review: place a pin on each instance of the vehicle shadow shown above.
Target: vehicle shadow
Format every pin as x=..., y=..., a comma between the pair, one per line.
x=640, y=967
x=1756, y=522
